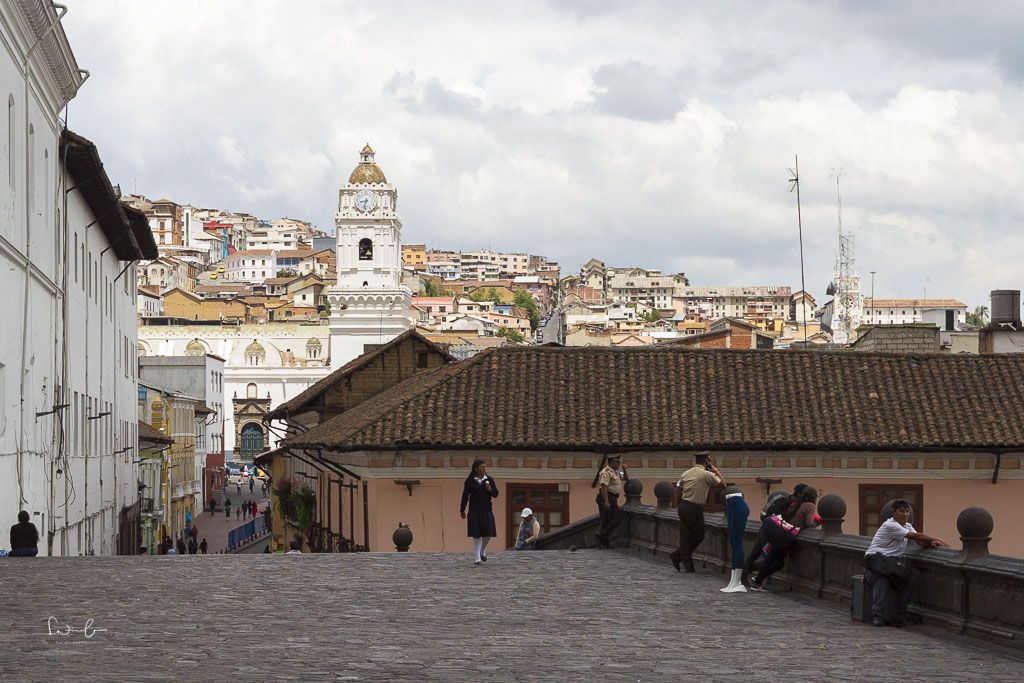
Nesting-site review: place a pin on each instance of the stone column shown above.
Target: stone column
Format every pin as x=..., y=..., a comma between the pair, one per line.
x=633, y=489
x=975, y=526
x=832, y=509
x=663, y=491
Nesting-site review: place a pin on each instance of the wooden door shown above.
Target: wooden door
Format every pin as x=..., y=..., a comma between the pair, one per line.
x=550, y=507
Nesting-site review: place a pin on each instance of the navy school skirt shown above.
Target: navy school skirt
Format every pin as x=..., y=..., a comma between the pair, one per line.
x=480, y=523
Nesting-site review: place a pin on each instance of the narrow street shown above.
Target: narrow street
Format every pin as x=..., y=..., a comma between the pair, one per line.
x=215, y=528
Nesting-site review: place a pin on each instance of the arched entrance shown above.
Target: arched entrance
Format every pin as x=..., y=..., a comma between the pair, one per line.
x=252, y=440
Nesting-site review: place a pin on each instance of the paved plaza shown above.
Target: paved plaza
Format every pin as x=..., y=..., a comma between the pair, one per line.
x=549, y=615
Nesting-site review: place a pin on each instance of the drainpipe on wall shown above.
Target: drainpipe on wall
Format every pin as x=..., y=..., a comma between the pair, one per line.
x=995, y=470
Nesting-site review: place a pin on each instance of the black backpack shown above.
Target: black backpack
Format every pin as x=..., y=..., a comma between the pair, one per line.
x=776, y=504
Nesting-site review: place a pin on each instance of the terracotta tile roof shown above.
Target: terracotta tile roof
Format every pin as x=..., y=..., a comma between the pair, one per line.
x=148, y=432
x=668, y=398
x=299, y=403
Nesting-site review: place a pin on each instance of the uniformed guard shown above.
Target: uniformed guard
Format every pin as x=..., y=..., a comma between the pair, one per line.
x=610, y=482
x=690, y=496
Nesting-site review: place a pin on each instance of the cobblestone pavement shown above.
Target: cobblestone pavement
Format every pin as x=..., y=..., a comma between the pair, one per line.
x=390, y=616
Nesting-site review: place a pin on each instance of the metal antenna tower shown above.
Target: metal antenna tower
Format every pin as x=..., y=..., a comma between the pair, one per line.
x=847, y=306
x=794, y=184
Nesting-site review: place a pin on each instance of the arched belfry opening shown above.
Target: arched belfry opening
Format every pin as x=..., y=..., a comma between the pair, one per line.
x=366, y=249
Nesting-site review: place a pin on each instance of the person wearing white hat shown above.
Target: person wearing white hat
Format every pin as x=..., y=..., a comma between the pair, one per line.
x=529, y=530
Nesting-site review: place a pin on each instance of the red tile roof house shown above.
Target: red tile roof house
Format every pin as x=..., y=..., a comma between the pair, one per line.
x=946, y=432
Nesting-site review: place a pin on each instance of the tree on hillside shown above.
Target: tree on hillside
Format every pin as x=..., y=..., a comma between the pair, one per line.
x=524, y=300
x=651, y=316
x=489, y=294
x=979, y=317
x=510, y=334
x=433, y=288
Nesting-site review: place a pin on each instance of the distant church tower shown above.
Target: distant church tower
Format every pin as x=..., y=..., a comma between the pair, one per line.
x=369, y=304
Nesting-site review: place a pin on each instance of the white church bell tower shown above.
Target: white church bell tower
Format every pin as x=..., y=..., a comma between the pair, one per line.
x=369, y=304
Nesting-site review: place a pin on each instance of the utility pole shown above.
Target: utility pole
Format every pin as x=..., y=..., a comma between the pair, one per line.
x=873, y=307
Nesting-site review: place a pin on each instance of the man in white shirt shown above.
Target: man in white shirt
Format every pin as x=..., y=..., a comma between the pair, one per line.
x=885, y=571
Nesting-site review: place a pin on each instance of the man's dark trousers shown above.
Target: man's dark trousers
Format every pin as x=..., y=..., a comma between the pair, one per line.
x=609, y=516
x=691, y=532
x=880, y=590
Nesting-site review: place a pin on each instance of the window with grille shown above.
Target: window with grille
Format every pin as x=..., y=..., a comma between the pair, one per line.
x=550, y=507
x=873, y=497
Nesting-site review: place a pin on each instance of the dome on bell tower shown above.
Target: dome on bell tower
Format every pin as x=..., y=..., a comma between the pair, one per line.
x=367, y=172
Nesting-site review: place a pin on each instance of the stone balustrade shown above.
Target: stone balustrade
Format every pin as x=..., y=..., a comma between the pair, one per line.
x=967, y=591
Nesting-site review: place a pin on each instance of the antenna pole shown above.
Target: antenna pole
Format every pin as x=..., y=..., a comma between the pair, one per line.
x=874, y=307
x=839, y=200
x=794, y=179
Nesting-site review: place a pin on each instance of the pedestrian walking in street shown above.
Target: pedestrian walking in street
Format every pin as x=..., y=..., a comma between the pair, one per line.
x=193, y=547
x=24, y=537
x=690, y=496
x=188, y=518
x=227, y=508
x=478, y=491
x=252, y=484
x=181, y=546
x=888, y=570
x=238, y=487
x=805, y=517
x=203, y=547
x=238, y=512
x=213, y=506
x=255, y=509
x=609, y=481
x=194, y=532
x=263, y=488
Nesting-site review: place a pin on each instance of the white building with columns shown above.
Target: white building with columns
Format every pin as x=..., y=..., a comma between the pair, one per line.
x=278, y=360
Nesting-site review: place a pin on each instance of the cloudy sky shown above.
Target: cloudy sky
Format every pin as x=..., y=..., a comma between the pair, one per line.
x=642, y=133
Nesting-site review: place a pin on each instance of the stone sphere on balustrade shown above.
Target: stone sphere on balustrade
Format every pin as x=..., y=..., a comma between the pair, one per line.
x=831, y=506
x=975, y=522
x=663, y=490
x=633, y=487
x=402, y=538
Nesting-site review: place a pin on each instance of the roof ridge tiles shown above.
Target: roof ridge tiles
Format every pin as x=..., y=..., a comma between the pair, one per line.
x=430, y=379
x=673, y=398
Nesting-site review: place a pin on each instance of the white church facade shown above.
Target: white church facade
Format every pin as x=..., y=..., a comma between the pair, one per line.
x=267, y=364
